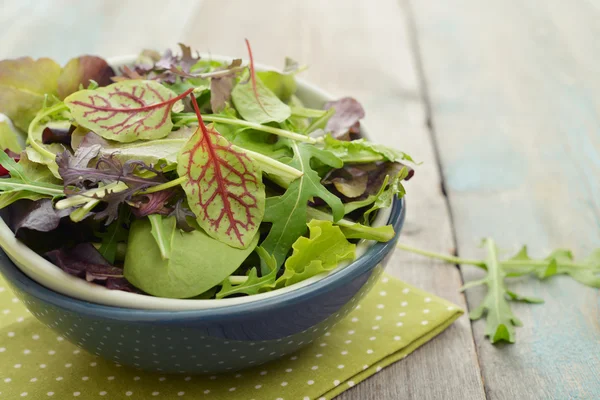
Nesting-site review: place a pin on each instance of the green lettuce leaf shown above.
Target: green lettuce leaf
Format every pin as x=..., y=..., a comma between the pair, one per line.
x=9, y=138
x=24, y=82
x=282, y=85
x=386, y=194
x=322, y=251
x=363, y=151
x=269, y=109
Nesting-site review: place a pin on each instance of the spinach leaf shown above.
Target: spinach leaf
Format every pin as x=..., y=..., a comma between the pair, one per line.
x=196, y=262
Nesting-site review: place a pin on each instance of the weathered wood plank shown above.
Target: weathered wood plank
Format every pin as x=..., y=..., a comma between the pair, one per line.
x=356, y=49
x=62, y=29
x=515, y=100
x=352, y=49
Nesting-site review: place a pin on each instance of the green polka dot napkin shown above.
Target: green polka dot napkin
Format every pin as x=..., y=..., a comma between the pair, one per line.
x=391, y=322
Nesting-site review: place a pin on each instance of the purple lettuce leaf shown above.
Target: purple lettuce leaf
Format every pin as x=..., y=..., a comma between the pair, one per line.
x=181, y=212
x=153, y=203
x=358, y=181
x=37, y=215
x=85, y=262
x=57, y=135
x=345, y=121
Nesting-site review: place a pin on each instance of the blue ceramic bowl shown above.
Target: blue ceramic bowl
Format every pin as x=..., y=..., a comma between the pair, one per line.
x=203, y=341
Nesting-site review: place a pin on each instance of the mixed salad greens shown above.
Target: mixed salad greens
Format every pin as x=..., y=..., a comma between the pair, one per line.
x=185, y=177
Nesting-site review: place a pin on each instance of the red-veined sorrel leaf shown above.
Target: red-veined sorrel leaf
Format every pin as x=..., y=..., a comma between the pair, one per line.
x=253, y=77
x=224, y=186
x=126, y=111
x=255, y=101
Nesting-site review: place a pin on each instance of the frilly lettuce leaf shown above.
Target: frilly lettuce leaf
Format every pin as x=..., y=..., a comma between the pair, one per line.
x=322, y=251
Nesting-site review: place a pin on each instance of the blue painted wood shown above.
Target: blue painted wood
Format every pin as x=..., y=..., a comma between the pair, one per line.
x=515, y=101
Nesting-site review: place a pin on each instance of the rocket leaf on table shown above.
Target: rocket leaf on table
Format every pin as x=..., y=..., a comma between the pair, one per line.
x=196, y=262
x=224, y=186
x=288, y=211
x=495, y=307
x=322, y=251
x=126, y=111
x=500, y=320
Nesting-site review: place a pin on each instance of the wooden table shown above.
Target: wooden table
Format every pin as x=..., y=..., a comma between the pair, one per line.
x=500, y=99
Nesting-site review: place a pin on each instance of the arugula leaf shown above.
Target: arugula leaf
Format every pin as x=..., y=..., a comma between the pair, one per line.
x=126, y=111
x=253, y=283
x=115, y=233
x=24, y=82
x=322, y=251
x=27, y=180
x=196, y=262
x=354, y=230
x=288, y=211
x=500, y=320
x=362, y=151
x=162, y=231
x=268, y=109
x=224, y=186
x=385, y=196
x=560, y=262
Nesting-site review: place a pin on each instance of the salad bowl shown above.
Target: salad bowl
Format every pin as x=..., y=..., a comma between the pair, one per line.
x=194, y=335
x=210, y=340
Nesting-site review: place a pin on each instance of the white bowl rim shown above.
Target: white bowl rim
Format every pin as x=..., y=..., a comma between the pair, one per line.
x=49, y=275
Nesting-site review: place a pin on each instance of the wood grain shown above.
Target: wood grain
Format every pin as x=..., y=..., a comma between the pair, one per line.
x=352, y=49
x=515, y=99
x=363, y=51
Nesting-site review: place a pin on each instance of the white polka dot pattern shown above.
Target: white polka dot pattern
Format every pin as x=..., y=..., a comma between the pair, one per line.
x=42, y=364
